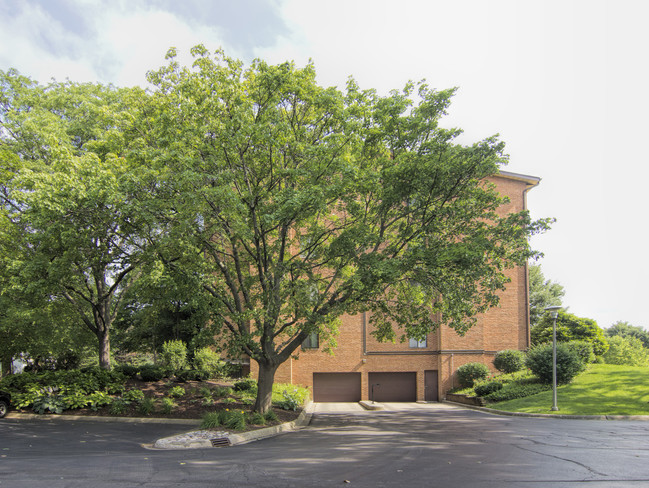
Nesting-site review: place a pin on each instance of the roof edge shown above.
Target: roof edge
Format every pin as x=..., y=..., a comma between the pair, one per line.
x=531, y=181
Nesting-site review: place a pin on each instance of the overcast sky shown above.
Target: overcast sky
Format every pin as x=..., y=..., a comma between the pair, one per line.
x=565, y=83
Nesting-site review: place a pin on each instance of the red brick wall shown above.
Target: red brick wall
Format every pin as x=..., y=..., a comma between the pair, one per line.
x=503, y=327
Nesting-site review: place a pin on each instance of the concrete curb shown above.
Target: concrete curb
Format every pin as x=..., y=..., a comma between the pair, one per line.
x=126, y=420
x=193, y=440
x=549, y=415
x=367, y=405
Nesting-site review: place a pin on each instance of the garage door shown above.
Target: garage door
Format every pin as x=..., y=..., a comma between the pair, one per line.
x=393, y=387
x=336, y=387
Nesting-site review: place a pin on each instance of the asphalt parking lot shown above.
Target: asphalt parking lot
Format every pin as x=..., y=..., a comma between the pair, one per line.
x=405, y=444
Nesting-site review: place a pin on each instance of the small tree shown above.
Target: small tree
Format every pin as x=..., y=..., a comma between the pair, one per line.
x=570, y=328
x=174, y=355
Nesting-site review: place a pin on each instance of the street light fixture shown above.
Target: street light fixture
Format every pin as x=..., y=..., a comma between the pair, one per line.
x=554, y=313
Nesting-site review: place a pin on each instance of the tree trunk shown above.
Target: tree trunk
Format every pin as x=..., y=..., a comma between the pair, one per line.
x=265, y=387
x=104, y=349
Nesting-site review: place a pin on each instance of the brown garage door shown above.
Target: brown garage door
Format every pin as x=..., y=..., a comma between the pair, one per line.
x=393, y=387
x=336, y=387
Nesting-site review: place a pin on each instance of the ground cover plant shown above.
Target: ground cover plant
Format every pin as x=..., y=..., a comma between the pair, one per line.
x=103, y=393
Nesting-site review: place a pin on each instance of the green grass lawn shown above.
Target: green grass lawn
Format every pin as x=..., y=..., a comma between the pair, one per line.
x=604, y=389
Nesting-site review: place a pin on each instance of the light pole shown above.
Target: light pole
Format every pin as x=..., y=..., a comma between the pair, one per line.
x=554, y=313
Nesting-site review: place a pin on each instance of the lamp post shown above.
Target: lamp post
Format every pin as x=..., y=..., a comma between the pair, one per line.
x=554, y=313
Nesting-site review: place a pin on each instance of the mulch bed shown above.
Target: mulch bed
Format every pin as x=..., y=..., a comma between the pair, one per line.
x=188, y=406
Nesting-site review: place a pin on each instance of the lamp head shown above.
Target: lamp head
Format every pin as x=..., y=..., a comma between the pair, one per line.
x=554, y=310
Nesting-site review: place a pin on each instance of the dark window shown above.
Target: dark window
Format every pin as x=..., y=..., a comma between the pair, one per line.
x=418, y=344
x=311, y=342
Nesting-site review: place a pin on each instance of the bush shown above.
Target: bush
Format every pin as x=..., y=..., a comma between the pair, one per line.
x=174, y=355
x=193, y=375
x=150, y=372
x=207, y=360
x=469, y=373
x=584, y=350
x=485, y=389
x=246, y=384
x=509, y=361
x=511, y=391
x=127, y=370
x=626, y=351
x=211, y=420
x=569, y=363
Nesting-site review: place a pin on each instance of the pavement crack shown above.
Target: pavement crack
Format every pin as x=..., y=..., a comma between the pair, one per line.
x=585, y=466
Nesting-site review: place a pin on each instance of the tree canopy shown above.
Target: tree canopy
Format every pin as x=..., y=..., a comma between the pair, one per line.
x=280, y=204
x=543, y=293
x=298, y=204
x=570, y=328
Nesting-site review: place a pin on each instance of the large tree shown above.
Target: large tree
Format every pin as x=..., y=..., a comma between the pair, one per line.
x=297, y=204
x=543, y=293
x=67, y=196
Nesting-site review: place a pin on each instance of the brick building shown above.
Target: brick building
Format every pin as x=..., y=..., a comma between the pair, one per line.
x=361, y=368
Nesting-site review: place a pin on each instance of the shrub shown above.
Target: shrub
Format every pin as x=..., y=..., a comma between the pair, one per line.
x=485, y=389
x=222, y=391
x=246, y=384
x=150, y=372
x=127, y=370
x=516, y=390
x=509, y=361
x=174, y=355
x=207, y=360
x=177, y=392
x=193, y=375
x=626, y=351
x=469, y=373
x=75, y=399
x=569, y=363
x=584, y=350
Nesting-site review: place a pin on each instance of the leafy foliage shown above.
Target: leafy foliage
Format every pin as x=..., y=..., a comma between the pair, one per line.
x=569, y=363
x=487, y=388
x=469, y=373
x=509, y=361
x=570, y=328
x=205, y=359
x=543, y=293
x=624, y=329
x=174, y=355
x=626, y=350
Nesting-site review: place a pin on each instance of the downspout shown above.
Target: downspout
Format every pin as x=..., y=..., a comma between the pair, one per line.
x=528, y=329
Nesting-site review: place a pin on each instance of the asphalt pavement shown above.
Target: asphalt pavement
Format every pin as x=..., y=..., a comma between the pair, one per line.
x=425, y=445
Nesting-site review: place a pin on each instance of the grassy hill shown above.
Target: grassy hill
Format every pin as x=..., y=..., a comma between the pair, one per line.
x=602, y=390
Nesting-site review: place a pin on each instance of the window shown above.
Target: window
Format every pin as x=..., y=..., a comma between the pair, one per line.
x=418, y=344
x=311, y=342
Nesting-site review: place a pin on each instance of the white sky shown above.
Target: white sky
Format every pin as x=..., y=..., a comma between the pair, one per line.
x=565, y=83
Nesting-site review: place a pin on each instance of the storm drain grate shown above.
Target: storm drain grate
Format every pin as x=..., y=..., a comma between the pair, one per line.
x=221, y=442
